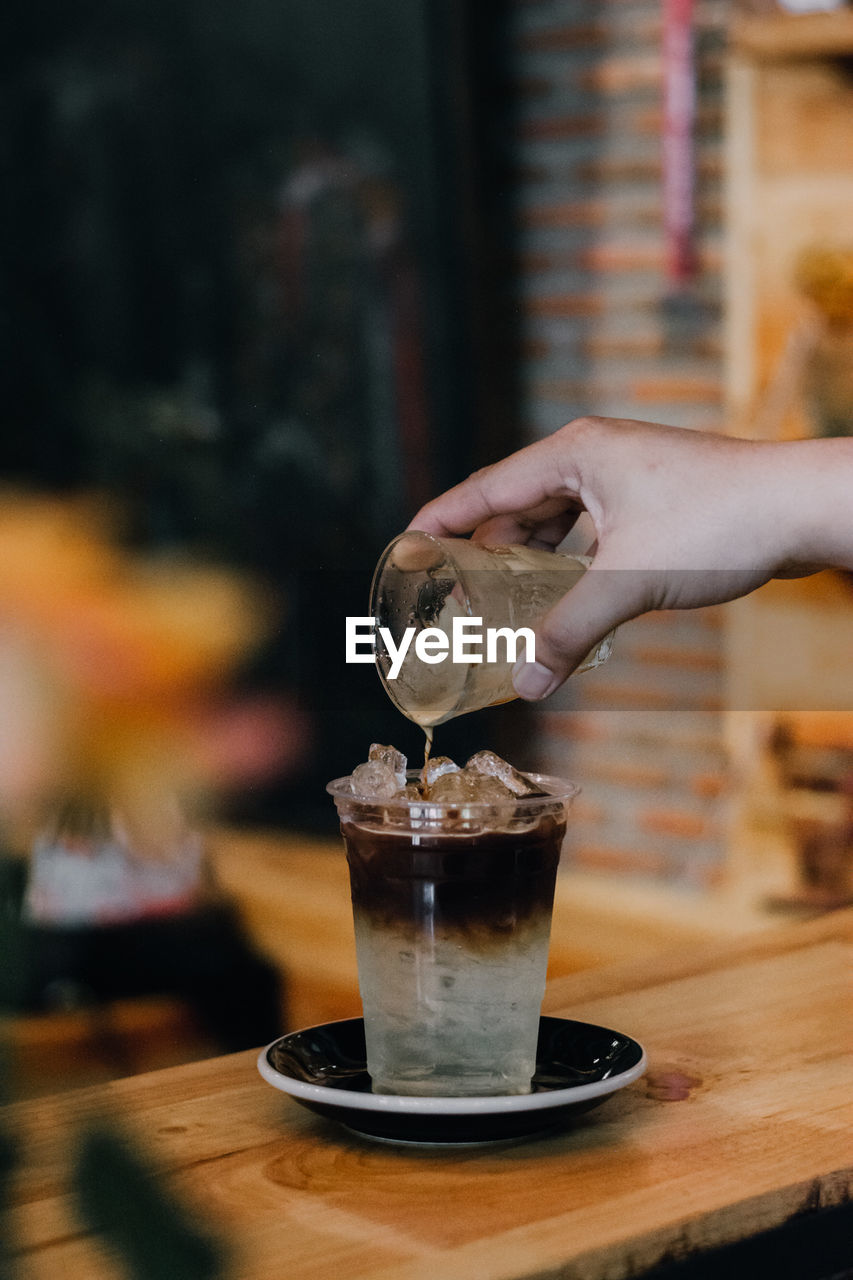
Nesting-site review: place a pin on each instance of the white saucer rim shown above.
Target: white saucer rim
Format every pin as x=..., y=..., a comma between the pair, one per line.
x=397, y=1104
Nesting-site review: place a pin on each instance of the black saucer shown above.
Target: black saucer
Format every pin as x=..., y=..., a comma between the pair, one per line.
x=577, y=1066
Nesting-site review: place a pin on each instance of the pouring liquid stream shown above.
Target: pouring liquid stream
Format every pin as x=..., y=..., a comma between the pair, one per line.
x=428, y=732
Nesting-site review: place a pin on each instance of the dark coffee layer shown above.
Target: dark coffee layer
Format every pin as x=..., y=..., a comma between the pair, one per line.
x=486, y=885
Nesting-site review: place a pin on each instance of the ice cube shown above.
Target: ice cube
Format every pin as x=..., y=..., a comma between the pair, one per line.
x=486, y=762
x=484, y=789
x=404, y=811
x=452, y=788
x=374, y=780
x=487, y=789
x=394, y=759
x=437, y=768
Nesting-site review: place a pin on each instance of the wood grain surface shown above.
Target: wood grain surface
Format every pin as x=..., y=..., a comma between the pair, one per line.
x=743, y=1120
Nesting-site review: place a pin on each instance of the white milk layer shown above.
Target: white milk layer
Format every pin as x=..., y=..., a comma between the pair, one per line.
x=443, y=1018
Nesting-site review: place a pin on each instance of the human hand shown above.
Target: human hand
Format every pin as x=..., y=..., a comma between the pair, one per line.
x=682, y=519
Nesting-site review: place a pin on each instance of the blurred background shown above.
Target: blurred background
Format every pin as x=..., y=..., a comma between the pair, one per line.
x=273, y=275
x=257, y=289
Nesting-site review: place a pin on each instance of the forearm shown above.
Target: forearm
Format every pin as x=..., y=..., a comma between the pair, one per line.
x=814, y=482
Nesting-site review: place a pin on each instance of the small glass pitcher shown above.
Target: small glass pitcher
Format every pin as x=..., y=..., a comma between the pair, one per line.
x=426, y=583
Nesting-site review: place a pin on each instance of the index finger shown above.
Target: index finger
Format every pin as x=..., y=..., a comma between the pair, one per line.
x=529, y=482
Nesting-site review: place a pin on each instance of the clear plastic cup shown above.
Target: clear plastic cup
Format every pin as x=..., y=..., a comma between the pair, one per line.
x=425, y=582
x=452, y=907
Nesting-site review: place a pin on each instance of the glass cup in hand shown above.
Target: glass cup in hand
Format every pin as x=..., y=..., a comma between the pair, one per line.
x=423, y=582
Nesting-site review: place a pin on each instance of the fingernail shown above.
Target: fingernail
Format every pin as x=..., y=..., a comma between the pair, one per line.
x=533, y=681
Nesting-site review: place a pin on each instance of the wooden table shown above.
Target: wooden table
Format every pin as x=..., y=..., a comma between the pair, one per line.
x=742, y=1124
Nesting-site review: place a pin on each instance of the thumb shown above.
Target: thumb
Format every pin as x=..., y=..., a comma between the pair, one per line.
x=600, y=601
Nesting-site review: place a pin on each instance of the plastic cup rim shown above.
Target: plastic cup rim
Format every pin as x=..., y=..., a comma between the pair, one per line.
x=563, y=792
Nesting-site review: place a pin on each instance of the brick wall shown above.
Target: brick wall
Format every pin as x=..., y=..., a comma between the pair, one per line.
x=642, y=735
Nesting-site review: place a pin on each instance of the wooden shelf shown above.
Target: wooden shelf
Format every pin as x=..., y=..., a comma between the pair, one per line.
x=786, y=37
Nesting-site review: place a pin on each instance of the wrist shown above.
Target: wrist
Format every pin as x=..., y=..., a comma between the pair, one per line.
x=814, y=481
